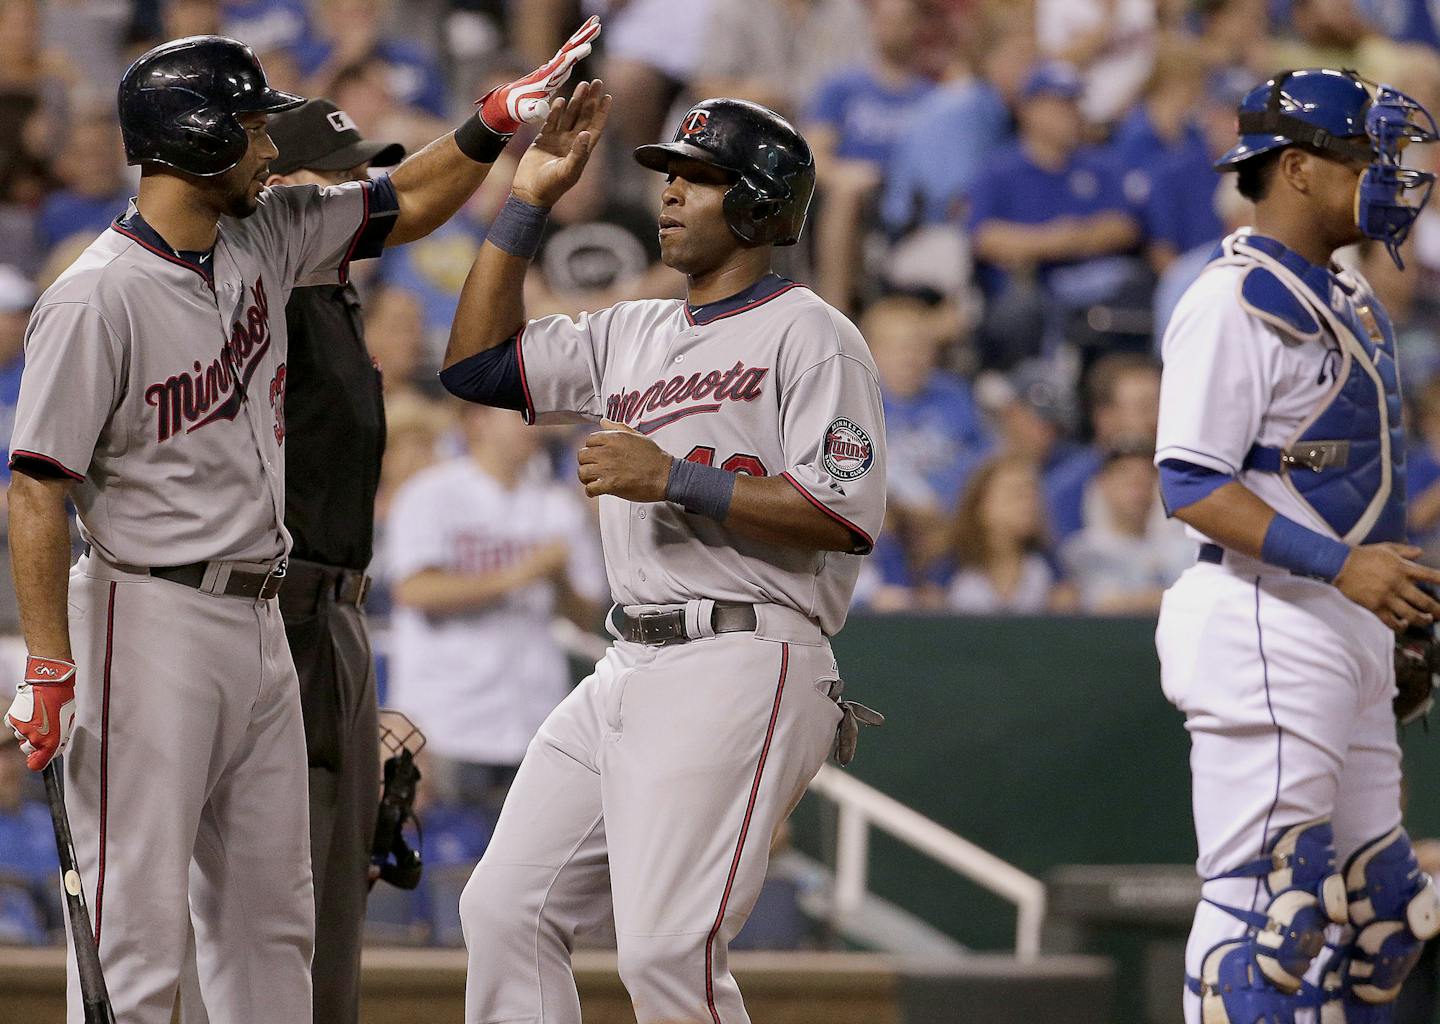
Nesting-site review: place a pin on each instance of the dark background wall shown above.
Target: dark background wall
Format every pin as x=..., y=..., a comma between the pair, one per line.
x=1046, y=741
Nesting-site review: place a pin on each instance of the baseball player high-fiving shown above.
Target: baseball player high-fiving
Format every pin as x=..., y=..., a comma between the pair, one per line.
x=153, y=398
x=740, y=466
x=1281, y=447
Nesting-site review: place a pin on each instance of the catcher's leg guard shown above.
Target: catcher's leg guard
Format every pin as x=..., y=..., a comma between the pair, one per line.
x=1393, y=909
x=1259, y=978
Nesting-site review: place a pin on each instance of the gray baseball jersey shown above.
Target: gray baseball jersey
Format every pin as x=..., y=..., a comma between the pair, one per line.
x=772, y=382
x=157, y=380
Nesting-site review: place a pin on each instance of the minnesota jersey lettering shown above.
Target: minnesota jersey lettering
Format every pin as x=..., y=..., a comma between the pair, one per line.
x=185, y=399
x=737, y=384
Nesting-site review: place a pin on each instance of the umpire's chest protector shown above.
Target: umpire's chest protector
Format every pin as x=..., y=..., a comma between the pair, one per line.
x=1347, y=458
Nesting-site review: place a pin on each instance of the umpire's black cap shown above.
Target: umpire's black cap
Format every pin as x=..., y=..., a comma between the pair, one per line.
x=319, y=136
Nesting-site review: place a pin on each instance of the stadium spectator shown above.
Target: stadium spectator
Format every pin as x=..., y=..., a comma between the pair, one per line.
x=28, y=865
x=777, y=52
x=17, y=295
x=395, y=334
x=934, y=432
x=853, y=125
x=433, y=268
x=1050, y=226
x=1178, y=219
x=1113, y=41
x=37, y=82
x=1125, y=557
x=998, y=545
x=1422, y=470
x=1234, y=212
x=484, y=550
x=955, y=130
x=599, y=248
x=1232, y=33
x=652, y=51
x=1414, y=308
x=353, y=32
x=1123, y=402
x=96, y=188
x=268, y=25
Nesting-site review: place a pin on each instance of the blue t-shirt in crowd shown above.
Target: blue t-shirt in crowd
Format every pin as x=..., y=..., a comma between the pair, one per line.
x=415, y=77
x=868, y=116
x=1139, y=150
x=67, y=213
x=267, y=24
x=1422, y=471
x=1064, y=484
x=934, y=439
x=433, y=268
x=1180, y=210
x=1405, y=21
x=955, y=131
x=9, y=399
x=1016, y=189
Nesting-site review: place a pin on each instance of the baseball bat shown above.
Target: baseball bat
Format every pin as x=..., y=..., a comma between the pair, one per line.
x=87, y=956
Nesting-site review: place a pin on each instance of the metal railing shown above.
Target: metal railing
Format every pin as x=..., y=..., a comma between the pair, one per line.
x=862, y=806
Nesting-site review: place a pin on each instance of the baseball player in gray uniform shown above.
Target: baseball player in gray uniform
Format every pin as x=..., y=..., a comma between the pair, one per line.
x=153, y=398
x=741, y=474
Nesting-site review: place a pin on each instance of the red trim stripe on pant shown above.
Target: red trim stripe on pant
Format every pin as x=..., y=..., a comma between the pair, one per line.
x=740, y=843
x=104, y=758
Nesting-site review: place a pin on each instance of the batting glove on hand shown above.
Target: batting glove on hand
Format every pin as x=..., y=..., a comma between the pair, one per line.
x=527, y=101
x=43, y=711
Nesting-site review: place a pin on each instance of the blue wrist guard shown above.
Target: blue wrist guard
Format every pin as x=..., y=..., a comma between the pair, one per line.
x=704, y=490
x=1303, y=551
x=517, y=228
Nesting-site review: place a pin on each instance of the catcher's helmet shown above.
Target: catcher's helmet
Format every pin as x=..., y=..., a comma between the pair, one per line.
x=1319, y=107
x=178, y=104
x=773, y=167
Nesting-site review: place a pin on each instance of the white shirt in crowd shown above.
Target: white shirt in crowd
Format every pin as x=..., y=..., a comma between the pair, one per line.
x=479, y=683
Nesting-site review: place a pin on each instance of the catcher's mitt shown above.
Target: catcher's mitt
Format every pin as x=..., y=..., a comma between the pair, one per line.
x=1417, y=661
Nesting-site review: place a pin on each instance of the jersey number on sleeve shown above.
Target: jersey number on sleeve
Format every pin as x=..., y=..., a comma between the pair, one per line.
x=750, y=465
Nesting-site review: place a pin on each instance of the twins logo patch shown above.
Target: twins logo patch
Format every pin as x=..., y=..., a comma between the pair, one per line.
x=849, y=453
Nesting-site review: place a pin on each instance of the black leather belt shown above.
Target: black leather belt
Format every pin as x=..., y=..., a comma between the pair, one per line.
x=307, y=584
x=239, y=582
x=668, y=627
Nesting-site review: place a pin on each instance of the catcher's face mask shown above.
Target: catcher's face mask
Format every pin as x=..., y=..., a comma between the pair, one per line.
x=1390, y=196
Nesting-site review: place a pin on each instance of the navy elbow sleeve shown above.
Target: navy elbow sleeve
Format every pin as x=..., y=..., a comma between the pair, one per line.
x=1184, y=483
x=491, y=377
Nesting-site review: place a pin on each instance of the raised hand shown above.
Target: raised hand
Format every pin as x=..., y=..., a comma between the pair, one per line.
x=552, y=164
x=527, y=100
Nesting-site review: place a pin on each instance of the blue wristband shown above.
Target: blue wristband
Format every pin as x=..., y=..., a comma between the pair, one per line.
x=517, y=228
x=1303, y=551
x=704, y=490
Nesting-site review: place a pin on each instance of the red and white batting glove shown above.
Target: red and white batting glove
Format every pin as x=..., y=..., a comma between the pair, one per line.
x=43, y=711
x=506, y=107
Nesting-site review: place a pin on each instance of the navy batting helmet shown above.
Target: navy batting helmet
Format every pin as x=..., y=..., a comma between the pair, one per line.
x=179, y=101
x=773, y=167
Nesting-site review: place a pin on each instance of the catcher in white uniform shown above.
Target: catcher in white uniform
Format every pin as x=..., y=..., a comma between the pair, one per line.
x=741, y=475
x=1281, y=446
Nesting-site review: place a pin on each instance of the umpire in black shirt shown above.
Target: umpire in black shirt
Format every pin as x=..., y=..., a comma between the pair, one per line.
x=335, y=434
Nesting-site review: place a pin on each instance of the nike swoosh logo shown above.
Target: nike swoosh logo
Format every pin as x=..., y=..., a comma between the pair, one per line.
x=44, y=730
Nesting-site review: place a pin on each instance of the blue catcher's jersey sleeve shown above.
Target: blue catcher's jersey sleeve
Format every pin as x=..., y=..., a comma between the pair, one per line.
x=1217, y=377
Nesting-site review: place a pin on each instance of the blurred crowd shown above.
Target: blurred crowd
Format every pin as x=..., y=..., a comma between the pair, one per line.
x=1012, y=195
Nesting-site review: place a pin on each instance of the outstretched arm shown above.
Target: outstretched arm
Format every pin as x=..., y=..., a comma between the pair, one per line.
x=434, y=183
x=492, y=303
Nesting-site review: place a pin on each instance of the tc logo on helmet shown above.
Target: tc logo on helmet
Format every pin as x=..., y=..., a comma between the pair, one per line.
x=695, y=122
